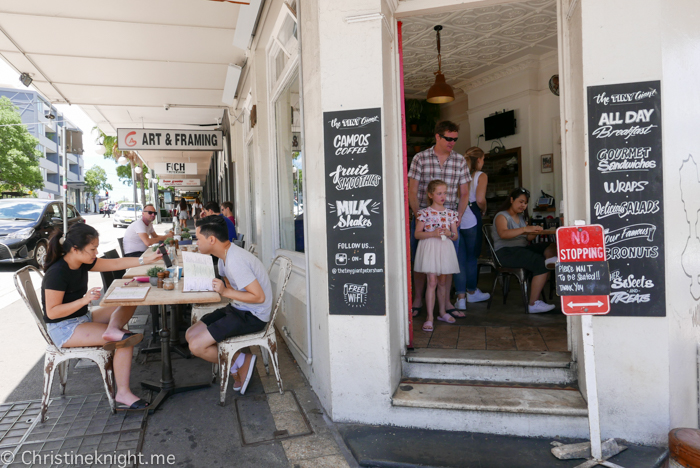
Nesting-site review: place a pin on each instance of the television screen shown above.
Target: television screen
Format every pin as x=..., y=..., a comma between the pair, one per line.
x=499, y=125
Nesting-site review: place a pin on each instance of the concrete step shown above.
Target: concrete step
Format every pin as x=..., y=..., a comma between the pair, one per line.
x=490, y=366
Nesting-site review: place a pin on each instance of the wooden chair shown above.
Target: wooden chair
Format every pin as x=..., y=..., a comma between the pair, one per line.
x=503, y=274
x=266, y=339
x=56, y=357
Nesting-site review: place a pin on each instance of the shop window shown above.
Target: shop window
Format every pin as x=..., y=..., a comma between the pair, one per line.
x=290, y=169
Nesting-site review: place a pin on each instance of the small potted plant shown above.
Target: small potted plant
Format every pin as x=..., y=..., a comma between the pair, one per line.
x=414, y=108
x=153, y=275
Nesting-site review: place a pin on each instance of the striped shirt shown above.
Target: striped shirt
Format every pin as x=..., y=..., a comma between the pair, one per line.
x=426, y=167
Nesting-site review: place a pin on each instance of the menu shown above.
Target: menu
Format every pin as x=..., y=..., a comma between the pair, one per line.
x=355, y=212
x=626, y=187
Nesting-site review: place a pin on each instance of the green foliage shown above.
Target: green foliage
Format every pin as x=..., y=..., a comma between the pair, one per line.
x=186, y=236
x=153, y=272
x=96, y=180
x=414, y=108
x=19, y=158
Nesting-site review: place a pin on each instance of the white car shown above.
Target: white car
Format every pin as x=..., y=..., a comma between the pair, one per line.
x=127, y=214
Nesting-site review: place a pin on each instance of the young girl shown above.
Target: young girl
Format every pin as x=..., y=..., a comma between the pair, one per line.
x=511, y=235
x=182, y=213
x=436, y=229
x=65, y=298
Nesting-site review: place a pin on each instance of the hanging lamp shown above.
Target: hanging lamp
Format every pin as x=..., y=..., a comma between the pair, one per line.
x=440, y=92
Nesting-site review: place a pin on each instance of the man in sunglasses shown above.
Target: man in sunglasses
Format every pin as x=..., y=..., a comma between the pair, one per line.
x=140, y=234
x=438, y=162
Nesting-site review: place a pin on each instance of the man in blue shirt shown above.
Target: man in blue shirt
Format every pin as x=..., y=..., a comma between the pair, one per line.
x=212, y=209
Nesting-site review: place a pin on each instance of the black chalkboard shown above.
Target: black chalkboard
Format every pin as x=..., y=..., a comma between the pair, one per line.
x=355, y=212
x=582, y=279
x=626, y=187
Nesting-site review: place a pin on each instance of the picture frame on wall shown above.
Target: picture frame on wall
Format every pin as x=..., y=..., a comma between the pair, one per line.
x=547, y=163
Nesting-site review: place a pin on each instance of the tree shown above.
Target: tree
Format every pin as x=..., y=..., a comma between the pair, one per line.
x=96, y=181
x=19, y=158
x=124, y=172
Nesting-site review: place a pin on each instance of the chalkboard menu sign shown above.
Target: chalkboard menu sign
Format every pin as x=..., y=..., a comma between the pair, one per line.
x=626, y=186
x=355, y=212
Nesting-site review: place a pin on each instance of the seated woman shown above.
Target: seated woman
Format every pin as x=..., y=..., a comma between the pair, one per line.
x=511, y=235
x=65, y=298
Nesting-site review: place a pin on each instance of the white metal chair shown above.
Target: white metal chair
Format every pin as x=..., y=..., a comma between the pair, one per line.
x=59, y=357
x=252, y=249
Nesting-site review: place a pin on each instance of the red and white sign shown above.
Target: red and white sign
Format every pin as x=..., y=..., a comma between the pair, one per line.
x=583, y=244
x=180, y=182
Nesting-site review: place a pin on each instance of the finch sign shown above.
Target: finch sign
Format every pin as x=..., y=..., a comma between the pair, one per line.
x=583, y=278
x=176, y=168
x=132, y=139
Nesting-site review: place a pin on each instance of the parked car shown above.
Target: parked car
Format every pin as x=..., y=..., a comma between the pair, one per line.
x=25, y=227
x=126, y=214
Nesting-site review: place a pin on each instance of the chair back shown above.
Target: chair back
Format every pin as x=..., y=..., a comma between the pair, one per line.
x=25, y=287
x=109, y=276
x=251, y=248
x=487, y=229
x=121, y=245
x=285, y=272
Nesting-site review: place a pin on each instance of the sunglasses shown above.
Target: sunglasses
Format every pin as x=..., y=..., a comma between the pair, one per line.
x=150, y=212
x=523, y=190
x=447, y=138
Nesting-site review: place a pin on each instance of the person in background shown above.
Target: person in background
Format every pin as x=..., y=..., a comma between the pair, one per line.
x=107, y=208
x=196, y=209
x=227, y=210
x=182, y=213
x=212, y=209
x=470, y=233
x=511, y=235
x=65, y=299
x=245, y=281
x=438, y=162
x=140, y=234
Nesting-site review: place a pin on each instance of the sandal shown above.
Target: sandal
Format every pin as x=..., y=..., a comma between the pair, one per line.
x=447, y=318
x=138, y=405
x=128, y=339
x=428, y=326
x=416, y=310
x=456, y=313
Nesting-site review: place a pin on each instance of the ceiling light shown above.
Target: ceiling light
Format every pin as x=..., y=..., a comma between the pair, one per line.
x=25, y=79
x=440, y=92
x=122, y=160
x=148, y=175
x=137, y=169
x=101, y=150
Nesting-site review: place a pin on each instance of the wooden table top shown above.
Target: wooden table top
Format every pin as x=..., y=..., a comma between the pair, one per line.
x=547, y=232
x=160, y=296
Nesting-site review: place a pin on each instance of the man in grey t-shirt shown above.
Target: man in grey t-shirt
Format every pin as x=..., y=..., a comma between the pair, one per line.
x=245, y=281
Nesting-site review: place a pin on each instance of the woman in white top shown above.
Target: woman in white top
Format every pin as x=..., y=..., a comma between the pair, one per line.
x=196, y=209
x=470, y=234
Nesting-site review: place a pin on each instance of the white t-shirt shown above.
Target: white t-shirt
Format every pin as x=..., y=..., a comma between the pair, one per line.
x=242, y=268
x=132, y=241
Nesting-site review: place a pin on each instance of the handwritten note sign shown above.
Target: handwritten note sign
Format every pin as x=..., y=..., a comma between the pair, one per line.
x=355, y=212
x=626, y=187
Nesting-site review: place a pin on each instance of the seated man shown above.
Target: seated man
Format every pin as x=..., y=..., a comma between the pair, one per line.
x=140, y=234
x=246, y=282
x=212, y=209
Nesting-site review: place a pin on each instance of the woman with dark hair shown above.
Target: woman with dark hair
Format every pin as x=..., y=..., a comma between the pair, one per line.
x=511, y=235
x=182, y=213
x=65, y=299
x=197, y=209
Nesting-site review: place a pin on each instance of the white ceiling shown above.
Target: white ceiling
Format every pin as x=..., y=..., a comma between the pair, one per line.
x=122, y=61
x=475, y=41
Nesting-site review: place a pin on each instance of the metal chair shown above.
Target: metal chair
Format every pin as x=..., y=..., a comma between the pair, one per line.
x=56, y=357
x=121, y=244
x=109, y=276
x=504, y=273
x=252, y=249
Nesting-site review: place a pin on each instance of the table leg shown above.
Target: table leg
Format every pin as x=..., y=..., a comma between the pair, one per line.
x=175, y=345
x=167, y=382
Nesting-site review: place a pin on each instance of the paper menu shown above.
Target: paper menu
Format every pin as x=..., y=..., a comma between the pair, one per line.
x=198, y=272
x=128, y=294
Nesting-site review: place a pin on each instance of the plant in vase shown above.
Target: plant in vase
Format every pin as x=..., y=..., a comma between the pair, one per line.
x=153, y=274
x=414, y=107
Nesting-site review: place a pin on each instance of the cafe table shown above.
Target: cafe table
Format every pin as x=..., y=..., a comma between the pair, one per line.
x=142, y=270
x=162, y=297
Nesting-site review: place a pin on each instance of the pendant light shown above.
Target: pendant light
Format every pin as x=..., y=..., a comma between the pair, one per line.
x=440, y=92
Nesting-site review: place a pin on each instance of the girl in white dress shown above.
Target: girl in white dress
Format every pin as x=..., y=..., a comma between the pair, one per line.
x=436, y=229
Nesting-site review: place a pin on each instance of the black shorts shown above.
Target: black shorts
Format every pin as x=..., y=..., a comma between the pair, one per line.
x=530, y=257
x=228, y=321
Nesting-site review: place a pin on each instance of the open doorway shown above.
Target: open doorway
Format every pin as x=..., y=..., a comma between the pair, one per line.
x=501, y=62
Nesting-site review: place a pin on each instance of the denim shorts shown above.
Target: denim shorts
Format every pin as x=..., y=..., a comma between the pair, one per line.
x=60, y=332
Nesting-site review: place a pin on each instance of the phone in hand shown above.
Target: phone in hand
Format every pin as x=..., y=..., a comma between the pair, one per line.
x=166, y=259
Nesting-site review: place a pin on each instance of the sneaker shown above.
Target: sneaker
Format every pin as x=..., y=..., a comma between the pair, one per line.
x=246, y=371
x=236, y=381
x=538, y=307
x=478, y=296
x=550, y=263
x=461, y=304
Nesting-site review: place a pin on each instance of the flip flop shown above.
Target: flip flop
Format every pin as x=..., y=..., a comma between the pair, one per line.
x=128, y=339
x=428, y=326
x=416, y=310
x=447, y=318
x=138, y=405
x=456, y=313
